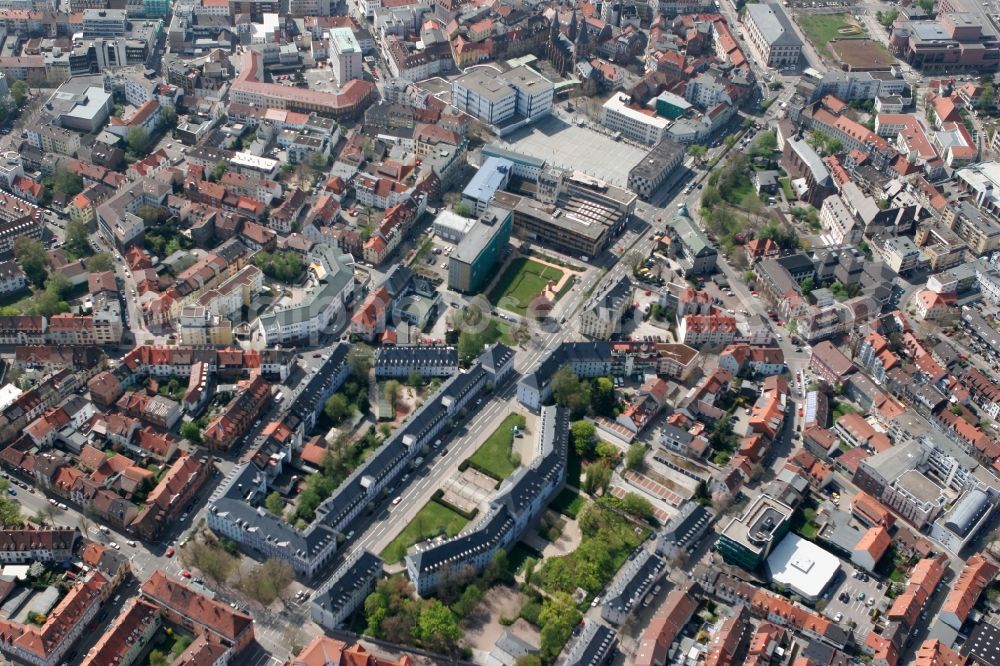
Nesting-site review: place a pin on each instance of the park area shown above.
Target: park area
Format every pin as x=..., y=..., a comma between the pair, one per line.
x=434, y=519
x=523, y=281
x=821, y=29
x=494, y=458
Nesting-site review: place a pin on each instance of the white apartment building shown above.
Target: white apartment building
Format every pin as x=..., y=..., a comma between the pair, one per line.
x=618, y=116
x=198, y=326
x=365, y=8
x=837, y=221
x=318, y=307
x=11, y=277
x=345, y=55
x=771, y=34
x=900, y=254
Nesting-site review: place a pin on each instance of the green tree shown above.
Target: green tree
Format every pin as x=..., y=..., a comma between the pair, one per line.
x=602, y=396
x=359, y=360
x=437, y=628
x=598, y=477
x=66, y=182
x=414, y=379
x=583, y=436
x=337, y=408
x=808, y=285
x=392, y=392
x=33, y=259
x=19, y=93
x=138, y=140
x=467, y=602
x=698, y=152
x=275, y=503
x=765, y=145
x=887, y=18
x=569, y=391
x=987, y=98
x=558, y=617
x=58, y=285
x=637, y=506
x=635, y=456
x=101, y=261
x=926, y=5
x=77, y=239
x=156, y=658
x=470, y=346
x=191, y=432
x=530, y=660
x=462, y=208
x=168, y=119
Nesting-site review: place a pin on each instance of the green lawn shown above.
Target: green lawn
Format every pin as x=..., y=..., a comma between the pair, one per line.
x=786, y=187
x=821, y=29
x=839, y=409
x=493, y=457
x=736, y=195
x=496, y=330
x=523, y=280
x=432, y=520
x=568, y=503
x=517, y=557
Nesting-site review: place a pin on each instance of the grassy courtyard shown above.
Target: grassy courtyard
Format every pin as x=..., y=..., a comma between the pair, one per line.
x=432, y=520
x=821, y=29
x=494, y=456
x=523, y=280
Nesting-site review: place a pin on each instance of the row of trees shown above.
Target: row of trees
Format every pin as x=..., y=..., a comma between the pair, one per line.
x=581, y=396
x=393, y=614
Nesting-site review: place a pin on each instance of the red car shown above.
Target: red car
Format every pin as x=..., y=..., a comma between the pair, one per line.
x=186, y=573
x=170, y=551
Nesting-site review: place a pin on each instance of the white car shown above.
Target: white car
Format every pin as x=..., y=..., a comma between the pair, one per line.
x=115, y=545
x=397, y=501
x=838, y=617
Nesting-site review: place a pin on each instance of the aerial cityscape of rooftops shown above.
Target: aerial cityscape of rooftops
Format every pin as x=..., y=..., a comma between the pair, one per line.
x=508, y=332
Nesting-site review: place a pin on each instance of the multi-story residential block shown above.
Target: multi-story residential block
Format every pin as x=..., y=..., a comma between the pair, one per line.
x=838, y=222
x=711, y=330
x=771, y=34
x=346, y=590
x=978, y=573
x=586, y=359
x=345, y=55
x=684, y=531
x=630, y=585
x=48, y=644
x=193, y=611
x=235, y=419
x=320, y=304
x=601, y=316
x=900, y=254
x=519, y=501
x=199, y=326
x=12, y=278
x=29, y=544
x=426, y=361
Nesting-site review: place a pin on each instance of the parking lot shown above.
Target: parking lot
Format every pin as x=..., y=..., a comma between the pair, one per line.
x=857, y=607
